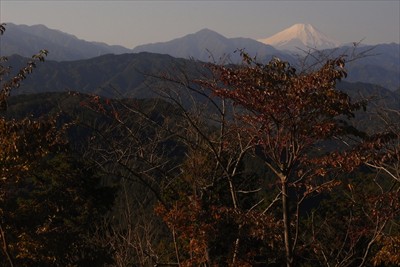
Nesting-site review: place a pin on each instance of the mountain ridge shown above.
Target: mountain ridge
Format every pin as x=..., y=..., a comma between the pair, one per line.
x=131, y=75
x=208, y=45
x=27, y=40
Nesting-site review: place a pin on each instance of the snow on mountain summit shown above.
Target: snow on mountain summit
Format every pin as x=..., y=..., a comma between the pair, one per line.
x=300, y=36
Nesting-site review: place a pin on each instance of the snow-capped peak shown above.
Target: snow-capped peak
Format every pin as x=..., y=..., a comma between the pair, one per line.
x=300, y=36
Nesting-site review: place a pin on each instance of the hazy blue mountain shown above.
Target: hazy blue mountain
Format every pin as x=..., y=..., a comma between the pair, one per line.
x=379, y=98
x=207, y=45
x=378, y=64
x=28, y=40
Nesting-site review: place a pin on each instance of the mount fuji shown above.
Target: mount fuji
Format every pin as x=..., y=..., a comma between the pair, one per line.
x=300, y=37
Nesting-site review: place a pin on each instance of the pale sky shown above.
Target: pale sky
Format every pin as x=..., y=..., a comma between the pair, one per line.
x=132, y=23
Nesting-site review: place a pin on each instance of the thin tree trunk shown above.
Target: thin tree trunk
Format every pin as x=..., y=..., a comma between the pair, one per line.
x=286, y=223
x=5, y=246
x=176, y=246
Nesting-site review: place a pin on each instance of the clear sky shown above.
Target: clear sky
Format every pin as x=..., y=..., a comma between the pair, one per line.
x=131, y=23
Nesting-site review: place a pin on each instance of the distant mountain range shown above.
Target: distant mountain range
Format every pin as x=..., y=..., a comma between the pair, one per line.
x=382, y=68
x=204, y=45
x=207, y=45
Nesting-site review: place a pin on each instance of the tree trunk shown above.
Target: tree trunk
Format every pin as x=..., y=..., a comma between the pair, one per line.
x=5, y=246
x=286, y=223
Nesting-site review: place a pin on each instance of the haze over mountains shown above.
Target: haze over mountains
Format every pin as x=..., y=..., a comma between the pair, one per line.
x=382, y=67
x=202, y=45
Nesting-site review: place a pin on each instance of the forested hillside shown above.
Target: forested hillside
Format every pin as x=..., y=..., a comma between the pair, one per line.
x=129, y=75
